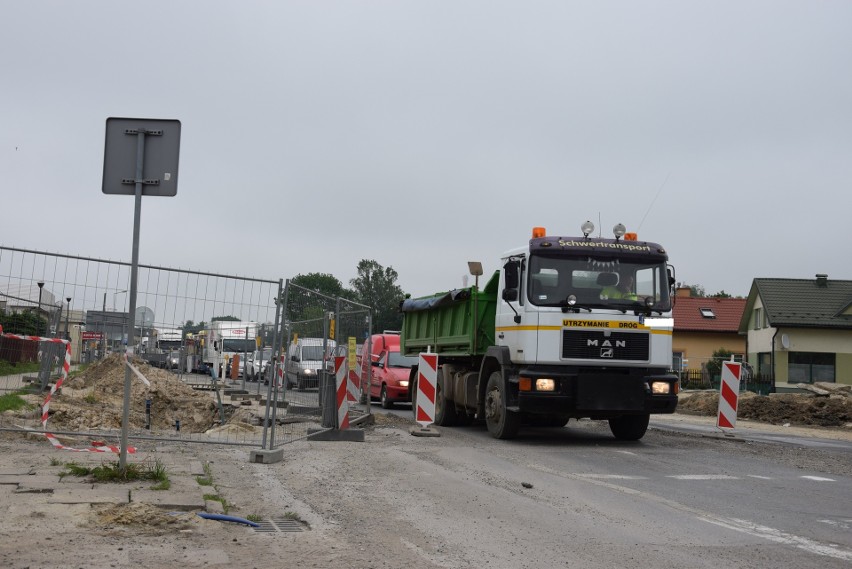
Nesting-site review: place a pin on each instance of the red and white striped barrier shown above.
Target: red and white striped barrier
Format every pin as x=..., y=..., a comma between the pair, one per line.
x=341, y=370
x=427, y=381
x=729, y=390
x=97, y=446
x=353, y=391
x=279, y=375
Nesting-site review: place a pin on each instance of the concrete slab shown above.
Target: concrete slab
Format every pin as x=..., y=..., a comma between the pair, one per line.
x=48, y=483
x=347, y=435
x=23, y=471
x=99, y=495
x=214, y=507
x=183, y=501
x=266, y=456
x=424, y=432
x=196, y=468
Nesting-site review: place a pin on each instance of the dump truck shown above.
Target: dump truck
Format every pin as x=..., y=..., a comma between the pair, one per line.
x=567, y=327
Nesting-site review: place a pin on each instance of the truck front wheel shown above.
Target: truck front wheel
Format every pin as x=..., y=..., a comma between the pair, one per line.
x=501, y=423
x=629, y=427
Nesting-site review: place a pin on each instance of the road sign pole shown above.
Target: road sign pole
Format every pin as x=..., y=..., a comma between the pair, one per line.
x=134, y=268
x=163, y=159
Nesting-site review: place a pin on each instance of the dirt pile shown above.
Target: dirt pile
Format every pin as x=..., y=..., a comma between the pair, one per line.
x=824, y=405
x=94, y=399
x=144, y=517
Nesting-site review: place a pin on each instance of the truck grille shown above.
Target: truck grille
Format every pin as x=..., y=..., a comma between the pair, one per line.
x=593, y=345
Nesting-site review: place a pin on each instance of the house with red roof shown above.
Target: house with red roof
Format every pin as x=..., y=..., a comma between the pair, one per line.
x=703, y=325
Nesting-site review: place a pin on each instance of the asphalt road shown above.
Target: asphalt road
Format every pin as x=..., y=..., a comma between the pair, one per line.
x=684, y=496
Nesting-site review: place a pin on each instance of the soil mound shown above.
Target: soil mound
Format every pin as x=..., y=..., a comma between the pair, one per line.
x=824, y=405
x=94, y=399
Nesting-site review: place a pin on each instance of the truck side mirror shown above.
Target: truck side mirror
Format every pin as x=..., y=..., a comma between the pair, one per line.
x=511, y=272
x=511, y=281
x=510, y=294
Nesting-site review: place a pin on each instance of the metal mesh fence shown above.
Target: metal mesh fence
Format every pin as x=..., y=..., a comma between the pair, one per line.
x=197, y=334
x=316, y=329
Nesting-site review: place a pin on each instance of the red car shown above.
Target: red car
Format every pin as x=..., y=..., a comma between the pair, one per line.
x=388, y=370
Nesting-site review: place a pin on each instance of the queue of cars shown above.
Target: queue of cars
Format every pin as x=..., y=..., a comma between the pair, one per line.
x=383, y=373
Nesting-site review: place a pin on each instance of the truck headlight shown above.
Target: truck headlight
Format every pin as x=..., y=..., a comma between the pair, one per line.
x=543, y=384
x=661, y=387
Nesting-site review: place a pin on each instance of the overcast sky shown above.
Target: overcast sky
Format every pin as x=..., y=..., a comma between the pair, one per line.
x=425, y=134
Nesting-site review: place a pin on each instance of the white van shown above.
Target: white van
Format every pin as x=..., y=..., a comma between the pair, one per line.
x=305, y=359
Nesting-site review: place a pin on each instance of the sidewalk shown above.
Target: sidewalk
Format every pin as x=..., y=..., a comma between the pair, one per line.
x=746, y=426
x=37, y=477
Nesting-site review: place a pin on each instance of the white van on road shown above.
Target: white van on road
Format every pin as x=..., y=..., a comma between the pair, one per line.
x=305, y=359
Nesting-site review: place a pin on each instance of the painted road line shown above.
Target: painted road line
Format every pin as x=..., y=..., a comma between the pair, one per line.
x=703, y=477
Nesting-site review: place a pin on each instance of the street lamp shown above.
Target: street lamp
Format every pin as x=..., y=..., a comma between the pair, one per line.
x=67, y=317
x=124, y=318
x=40, y=286
x=113, y=298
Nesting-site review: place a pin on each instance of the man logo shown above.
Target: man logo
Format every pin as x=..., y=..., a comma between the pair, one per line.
x=606, y=352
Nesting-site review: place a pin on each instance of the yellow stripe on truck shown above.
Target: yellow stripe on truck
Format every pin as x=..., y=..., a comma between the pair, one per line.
x=559, y=328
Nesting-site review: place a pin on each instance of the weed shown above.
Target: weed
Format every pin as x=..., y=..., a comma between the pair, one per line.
x=12, y=402
x=74, y=469
x=112, y=472
x=292, y=516
x=164, y=485
x=90, y=398
x=253, y=518
x=208, y=481
x=55, y=461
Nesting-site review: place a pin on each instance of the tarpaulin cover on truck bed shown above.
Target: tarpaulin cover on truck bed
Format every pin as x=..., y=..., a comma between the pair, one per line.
x=437, y=301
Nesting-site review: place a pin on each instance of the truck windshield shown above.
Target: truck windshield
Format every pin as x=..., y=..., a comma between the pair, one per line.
x=395, y=359
x=597, y=282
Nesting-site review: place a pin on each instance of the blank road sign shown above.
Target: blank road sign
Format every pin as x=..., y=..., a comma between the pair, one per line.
x=160, y=159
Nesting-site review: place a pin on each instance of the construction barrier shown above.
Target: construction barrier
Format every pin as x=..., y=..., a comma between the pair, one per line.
x=729, y=389
x=427, y=376
x=341, y=372
x=97, y=446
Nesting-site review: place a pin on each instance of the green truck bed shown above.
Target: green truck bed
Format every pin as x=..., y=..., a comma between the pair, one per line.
x=455, y=323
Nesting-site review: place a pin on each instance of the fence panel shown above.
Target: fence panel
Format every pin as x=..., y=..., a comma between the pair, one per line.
x=188, y=324
x=702, y=379
x=316, y=328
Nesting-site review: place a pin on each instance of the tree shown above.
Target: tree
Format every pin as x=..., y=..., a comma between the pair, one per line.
x=376, y=287
x=225, y=319
x=322, y=283
x=714, y=366
x=695, y=290
x=25, y=323
x=721, y=294
x=191, y=327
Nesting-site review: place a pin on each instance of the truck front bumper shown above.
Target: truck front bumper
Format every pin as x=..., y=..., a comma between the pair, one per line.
x=598, y=394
